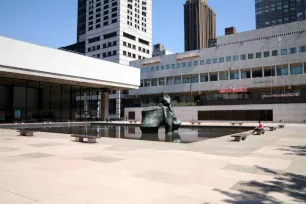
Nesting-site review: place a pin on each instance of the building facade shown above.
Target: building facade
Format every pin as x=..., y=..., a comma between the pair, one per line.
x=275, y=12
x=254, y=75
x=199, y=24
x=44, y=84
x=159, y=50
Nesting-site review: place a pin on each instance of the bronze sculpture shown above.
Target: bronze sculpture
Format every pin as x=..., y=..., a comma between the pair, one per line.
x=157, y=116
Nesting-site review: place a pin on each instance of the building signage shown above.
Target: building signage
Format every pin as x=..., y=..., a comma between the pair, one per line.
x=187, y=55
x=264, y=81
x=233, y=90
x=281, y=95
x=154, y=60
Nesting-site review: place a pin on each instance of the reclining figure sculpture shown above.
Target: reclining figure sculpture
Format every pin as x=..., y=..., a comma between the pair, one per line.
x=156, y=116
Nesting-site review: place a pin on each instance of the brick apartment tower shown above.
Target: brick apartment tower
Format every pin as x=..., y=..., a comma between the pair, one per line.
x=199, y=23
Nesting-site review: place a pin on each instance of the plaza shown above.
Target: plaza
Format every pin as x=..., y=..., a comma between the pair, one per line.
x=51, y=168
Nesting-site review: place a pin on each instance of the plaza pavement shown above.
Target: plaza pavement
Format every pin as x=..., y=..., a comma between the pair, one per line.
x=50, y=168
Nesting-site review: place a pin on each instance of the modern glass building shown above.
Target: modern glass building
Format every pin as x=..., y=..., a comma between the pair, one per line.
x=43, y=84
x=275, y=12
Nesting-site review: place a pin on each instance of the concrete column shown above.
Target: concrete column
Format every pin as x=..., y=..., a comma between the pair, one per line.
x=118, y=104
x=104, y=105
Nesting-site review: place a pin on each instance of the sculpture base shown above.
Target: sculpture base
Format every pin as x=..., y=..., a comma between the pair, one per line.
x=148, y=130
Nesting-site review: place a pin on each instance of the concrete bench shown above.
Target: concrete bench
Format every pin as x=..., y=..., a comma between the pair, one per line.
x=281, y=126
x=259, y=131
x=240, y=136
x=195, y=122
x=272, y=128
x=26, y=133
x=90, y=139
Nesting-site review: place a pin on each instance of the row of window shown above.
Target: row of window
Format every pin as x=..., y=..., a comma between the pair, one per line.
x=195, y=63
x=105, y=45
x=132, y=55
x=264, y=38
x=129, y=45
x=279, y=70
x=106, y=54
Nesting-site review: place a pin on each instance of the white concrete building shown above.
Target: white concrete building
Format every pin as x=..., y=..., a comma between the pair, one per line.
x=159, y=50
x=254, y=75
x=39, y=83
x=119, y=31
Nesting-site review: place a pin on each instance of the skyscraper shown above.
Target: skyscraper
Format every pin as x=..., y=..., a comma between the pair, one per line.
x=200, y=24
x=119, y=30
x=275, y=12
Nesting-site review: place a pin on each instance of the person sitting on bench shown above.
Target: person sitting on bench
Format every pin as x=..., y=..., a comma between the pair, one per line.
x=259, y=128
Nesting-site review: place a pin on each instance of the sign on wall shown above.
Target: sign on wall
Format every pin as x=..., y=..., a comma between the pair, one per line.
x=188, y=55
x=154, y=60
x=281, y=95
x=233, y=90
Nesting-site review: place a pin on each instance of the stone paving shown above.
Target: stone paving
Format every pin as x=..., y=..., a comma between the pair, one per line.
x=52, y=168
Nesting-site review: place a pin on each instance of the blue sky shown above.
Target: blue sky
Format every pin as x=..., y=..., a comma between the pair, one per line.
x=52, y=23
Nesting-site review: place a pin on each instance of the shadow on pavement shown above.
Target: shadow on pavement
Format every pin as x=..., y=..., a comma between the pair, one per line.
x=289, y=184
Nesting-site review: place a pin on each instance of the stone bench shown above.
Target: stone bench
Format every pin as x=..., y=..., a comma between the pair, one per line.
x=272, y=128
x=240, y=136
x=26, y=133
x=195, y=122
x=90, y=139
x=259, y=131
x=281, y=126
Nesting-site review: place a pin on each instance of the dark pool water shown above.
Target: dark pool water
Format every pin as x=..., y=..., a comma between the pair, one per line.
x=183, y=135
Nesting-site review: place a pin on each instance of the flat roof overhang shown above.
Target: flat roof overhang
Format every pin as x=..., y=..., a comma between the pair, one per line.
x=21, y=60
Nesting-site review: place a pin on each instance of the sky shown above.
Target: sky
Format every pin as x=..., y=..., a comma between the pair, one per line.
x=52, y=23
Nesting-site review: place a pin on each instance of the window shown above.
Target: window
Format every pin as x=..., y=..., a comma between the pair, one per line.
x=186, y=80
x=282, y=70
x=215, y=60
x=256, y=73
x=148, y=69
x=242, y=57
x=202, y=62
x=161, y=81
x=274, y=52
x=114, y=52
x=132, y=37
x=228, y=59
x=162, y=67
x=143, y=41
x=203, y=77
x=269, y=71
x=223, y=75
x=154, y=82
x=221, y=59
x=143, y=70
x=172, y=66
x=213, y=76
x=195, y=63
x=234, y=75
x=303, y=49
x=250, y=56
x=168, y=66
x=245, y=74
x=114, y=20
x=208, y=61
x=177, y=80
x=258, y=54
x=194, y=79
x=147, y=82
x=178, y=65
x=184, y=64
x=235, y=58
x=292, y=50
x=124, y=53
x=189, y=64
x=283, y=51
x=169, y=80
x=266, y=54
x=110, y=35
x=296, y=69
x=92, y=40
